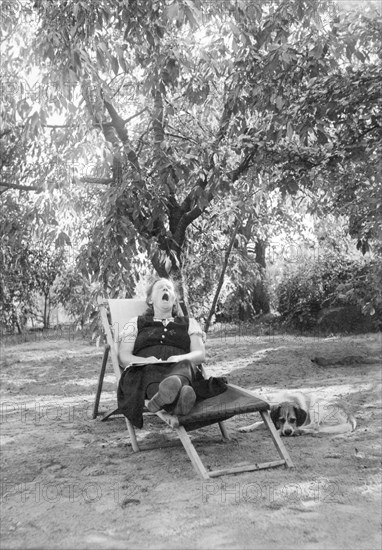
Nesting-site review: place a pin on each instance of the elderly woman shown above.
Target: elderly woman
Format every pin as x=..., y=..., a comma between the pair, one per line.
x=161, y=353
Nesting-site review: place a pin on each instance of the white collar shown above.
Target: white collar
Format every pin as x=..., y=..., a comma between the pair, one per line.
x=165, y=322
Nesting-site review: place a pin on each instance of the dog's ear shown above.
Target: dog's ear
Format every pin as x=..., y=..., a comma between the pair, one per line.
x=275, y=415
x=300, y=416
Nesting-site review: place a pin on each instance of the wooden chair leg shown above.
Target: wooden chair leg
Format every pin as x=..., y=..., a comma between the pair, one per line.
x=192, y=453
x=283, y=453
x=133, y=437
x=224, y=431
x=100, y=381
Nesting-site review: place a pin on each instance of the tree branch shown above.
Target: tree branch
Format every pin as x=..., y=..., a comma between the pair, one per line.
x=20, y=187
x=185, y=220
x=119, y=125
x=100, y=181
x=136, y=114
x=222, y=275
x=243, y=166
x=182, y=137
x=140, y=139
x=60, y=125
x=117, y=122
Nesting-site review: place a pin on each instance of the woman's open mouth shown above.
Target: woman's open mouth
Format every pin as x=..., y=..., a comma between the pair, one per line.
x=165, y=297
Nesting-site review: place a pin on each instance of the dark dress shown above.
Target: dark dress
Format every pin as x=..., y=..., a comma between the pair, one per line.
x=142, y=381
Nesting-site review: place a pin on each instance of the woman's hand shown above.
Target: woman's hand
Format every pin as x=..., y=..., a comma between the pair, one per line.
x=152, y=359
x=196, y=354
x=175, y=358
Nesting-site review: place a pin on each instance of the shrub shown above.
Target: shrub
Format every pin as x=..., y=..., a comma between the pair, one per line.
x=300, y=297
x=73, y=291
x=330, y=281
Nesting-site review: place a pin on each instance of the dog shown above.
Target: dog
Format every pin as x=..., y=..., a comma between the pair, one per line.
x=297, y=413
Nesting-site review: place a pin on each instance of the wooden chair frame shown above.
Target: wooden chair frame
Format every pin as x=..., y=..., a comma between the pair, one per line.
x=137, y=307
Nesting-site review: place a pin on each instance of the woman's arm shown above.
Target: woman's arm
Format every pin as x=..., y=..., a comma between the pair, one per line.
x=125, y=355
x=126, y=341
x=197, y=353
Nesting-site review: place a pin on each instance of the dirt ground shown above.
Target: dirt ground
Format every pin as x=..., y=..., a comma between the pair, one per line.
x=72, y=482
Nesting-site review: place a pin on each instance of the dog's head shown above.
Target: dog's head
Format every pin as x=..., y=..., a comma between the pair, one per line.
x=287, y=417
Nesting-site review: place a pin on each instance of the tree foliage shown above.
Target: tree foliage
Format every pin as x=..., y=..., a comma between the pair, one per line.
x=174, y=110
x=332, y=281
x=74, y=293
x=29, y=268
x=261, y=89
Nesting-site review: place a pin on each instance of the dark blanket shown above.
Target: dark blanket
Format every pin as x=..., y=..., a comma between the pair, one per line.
x=135, y=381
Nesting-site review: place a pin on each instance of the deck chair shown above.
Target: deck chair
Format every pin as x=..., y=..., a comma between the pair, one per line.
x=234, y=401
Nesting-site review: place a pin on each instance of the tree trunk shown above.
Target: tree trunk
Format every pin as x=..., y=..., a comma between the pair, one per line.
x=260, y=297
x=18, y=325
x=46, y=310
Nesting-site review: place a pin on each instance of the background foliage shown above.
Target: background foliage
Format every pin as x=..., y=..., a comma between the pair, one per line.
x=189, y=138
x=333, y=281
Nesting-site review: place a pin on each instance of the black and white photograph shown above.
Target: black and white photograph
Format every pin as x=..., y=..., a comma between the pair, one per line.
x=191, y=274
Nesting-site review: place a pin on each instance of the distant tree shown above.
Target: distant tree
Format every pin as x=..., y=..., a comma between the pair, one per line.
x=28, y=270
x=74, y=293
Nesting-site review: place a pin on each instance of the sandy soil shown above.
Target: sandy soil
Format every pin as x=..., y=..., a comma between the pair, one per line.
x=72, y=482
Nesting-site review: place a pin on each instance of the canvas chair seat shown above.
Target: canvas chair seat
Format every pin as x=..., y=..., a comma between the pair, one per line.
x=222, y=407
x=234, y=401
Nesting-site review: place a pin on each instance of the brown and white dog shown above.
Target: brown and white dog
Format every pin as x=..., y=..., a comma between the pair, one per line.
x=298, y=413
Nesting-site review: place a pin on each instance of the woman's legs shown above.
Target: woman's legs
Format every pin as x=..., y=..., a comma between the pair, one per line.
x=175, y=389
x=185, y=401
x=168, y=391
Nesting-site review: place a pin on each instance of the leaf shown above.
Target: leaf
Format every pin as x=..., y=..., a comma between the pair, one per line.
x=172, y=11
x=234, y=28
x=123, y=64
x=316, y=51
x=190, y=16
x=279, y=102
x=167, y=265
x=100, y=59
x=77, y=59
x=368, y=309
x=150, y=39
x=289, y=129
x=62, y=240
x=349, y=50
x=114, y=64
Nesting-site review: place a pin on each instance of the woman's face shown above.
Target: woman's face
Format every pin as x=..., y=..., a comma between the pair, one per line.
x=163, y=295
